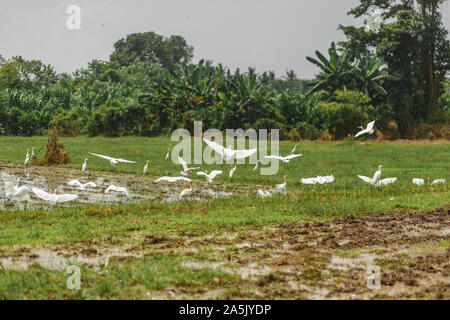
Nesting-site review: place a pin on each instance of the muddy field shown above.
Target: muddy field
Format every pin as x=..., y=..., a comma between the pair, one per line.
x=314, y=260
x=142, y=188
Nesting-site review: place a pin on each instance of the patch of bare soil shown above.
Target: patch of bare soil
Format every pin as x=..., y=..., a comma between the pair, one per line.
x=377, y=256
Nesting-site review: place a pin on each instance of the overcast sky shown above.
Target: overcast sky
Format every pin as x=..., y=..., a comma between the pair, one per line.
x=265, y=34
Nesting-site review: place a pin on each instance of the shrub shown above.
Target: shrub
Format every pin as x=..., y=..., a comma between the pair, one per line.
x=55, y=150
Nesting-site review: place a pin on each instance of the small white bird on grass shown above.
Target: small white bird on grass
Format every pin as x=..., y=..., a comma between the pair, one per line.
x=27, y=157
x=167, y=154
x=117, y=189
x=285, y=159
x=84, y=166
x=421, y=182
x=112, y=160
x=318, y=179
x=173, y=179
x=282, y=186
x=185, y=192
x=81, y=186
x=145, y=170
x=232, y=171
x=375, y=181
x=228, y=153
x=262, y=193
x=186, y=171
x=211, y=176
x=53, y=198
x=368, y=129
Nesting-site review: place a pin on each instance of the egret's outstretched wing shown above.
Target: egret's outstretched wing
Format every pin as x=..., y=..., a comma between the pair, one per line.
x=241, y=154
x=215, y=146
x=102, y=156
x=127, y=161
x=385, y=182
x=370, y=126
x=419, y=182
x=172, y=179
x=273, y=157
x=111, y=187
x=360, y=133
x=182, y=162
x=91, y=184
x=41, y=194
x=366, y=179
x=201, y=173
x=214, y=173
x=10, y=182
x=308, y=180
x=439, y=181
x=65, y=197
x=22, y=193
x=75, y=183
x=292, y=156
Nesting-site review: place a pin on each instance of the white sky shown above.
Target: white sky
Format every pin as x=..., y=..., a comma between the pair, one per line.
x=265, y=34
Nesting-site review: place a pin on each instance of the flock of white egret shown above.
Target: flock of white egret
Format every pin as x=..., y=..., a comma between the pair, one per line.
x=22, y=193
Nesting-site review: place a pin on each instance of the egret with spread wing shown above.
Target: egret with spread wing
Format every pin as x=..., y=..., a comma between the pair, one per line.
x=117, y=189
x=368, y=129
x=112, y=160
x=53, y=198
x=172, y=179
x=209, y=177
x=284, y=159
x=81, y=186
x=186, y=170
x=228, y=153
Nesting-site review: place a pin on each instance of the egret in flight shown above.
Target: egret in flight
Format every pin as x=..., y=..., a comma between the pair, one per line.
x=232, y=171
x=368, y=129
x=117, y=189
x=318, y=179
x=293, y=150
x=173, y=179
x=81, y=186
x=228, y=153
x=186, y=171
x=284, y=159
x=53, y=198
x=211, y=176
x=112, y=160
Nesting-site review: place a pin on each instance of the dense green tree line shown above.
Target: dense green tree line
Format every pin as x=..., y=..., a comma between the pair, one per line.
x=394, y=72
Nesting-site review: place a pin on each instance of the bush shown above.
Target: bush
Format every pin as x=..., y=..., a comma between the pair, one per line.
x=55, y=151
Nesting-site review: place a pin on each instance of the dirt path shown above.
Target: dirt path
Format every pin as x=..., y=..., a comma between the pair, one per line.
x=374, y=256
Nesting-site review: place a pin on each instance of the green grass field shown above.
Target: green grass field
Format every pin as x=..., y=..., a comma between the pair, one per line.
x=161, y=239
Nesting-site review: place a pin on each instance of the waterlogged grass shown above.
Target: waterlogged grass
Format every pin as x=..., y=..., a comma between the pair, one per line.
x=128, y=224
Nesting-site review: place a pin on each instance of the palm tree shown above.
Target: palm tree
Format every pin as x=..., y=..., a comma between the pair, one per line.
x=335, y=70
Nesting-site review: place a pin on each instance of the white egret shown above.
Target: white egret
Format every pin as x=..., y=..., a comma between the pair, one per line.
x=384, y=182
x=282, y=186
x=318, y=179
x=112, y=160
x=168, y=154
x=211, y=176
x=232, y=171
x=419, y=182
x=285, y=159
x=437, y=181
x=117, y=189
x=257, y=166
x=172, y=179
x=293, y=150
x=186, y=191
x=53, y=198
x=368, y=129
x=228, y=153
x=81, y=186
x=262, y=193
x=27, y=157
x=375, y=181
x=186, y=171
x=32, y=154
x=12, y=189
x=84, y=166
x=145, y=170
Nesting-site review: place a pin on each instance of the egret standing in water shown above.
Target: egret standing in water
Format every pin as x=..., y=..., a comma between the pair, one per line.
x=186, y=191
